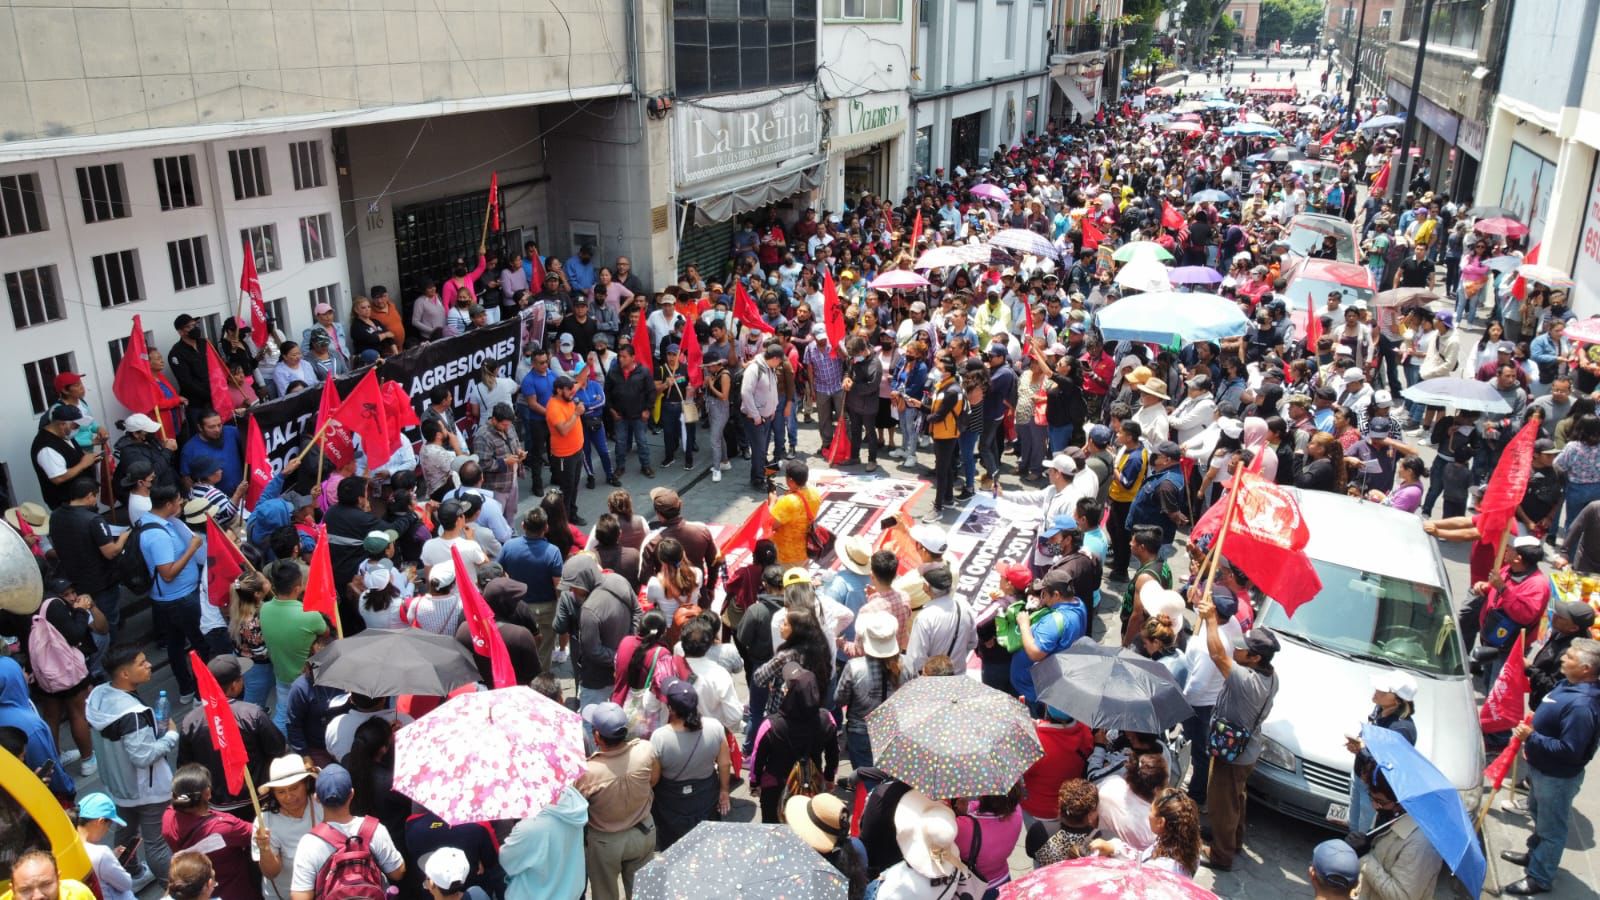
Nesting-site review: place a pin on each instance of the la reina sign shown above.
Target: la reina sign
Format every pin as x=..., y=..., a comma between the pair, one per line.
x=862, y=117
x=714, y=142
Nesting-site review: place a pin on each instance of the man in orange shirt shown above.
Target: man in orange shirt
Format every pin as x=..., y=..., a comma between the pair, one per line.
x=792, y=513
x=565, y=416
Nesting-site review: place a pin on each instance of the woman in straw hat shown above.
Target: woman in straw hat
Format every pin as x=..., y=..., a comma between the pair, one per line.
x=288, y=813
x=823, y=822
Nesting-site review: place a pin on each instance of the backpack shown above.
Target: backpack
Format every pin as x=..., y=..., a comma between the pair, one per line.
x=352, y=872
x=130, y=568
x=56, y=664
x=805, y=780
x=819, y=540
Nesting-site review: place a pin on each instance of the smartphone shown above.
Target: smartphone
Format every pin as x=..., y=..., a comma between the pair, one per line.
x=46, y=771
x=130, y=853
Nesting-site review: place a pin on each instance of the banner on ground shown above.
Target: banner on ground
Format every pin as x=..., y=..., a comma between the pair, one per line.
x=451, y=362
x=988, y=534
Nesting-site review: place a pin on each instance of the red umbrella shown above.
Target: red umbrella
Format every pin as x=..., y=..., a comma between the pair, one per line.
x=1584, y=331
x=1501, y=226
x=1282, y=107
x=1157, y=92
x=1103, y=878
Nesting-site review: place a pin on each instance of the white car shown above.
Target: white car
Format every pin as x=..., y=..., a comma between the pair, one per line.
x=1385, y=603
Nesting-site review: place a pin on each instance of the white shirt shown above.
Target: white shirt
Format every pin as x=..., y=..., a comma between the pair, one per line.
x=53, y=464
x=944, y=627
x=437, y=550
x=1205, y=682
x=492, y=516
x=313, y=852
x=1192, y=416
x=286, y=835
x=1123, y=814
x=660, y=325
x=669, y=605
x=1152, y=421
x=115, y=882
x=718, y=699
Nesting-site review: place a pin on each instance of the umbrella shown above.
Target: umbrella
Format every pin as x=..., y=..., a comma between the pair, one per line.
x=1194, y=275
x=1309, y=109
x=1128, y=251
x=1184, y=127
x=1155, y=119
x=1491, y=212
x=1189, y=117
x=1461, y=393
x=1104, y=690
x=1255, y=118
x=1283, y=107
x=734, y=861
x=1401, y=297
x=1157, y=91
x=953, y=737
x=1548, y=275
x=1252, y=129
x=1145, y=274
x=501, y=754
x=1584, y=331
x=1210, y=196
x=1166, y=318
x=990, y=192
x=1024, y=241
x=1504, y=264
x=1500, y=225
x=1432, y=802
x=897, y=278
x=1190, y=106
x=1276, y=155
x=1219, y=103
x=1380, y=122
x=1103, y=878
x=381, y=662
x=952, y=255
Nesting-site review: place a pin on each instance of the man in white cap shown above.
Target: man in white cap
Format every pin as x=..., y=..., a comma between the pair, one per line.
x=144, y=441
x=1059, y=497
x=1356, y=395
x=663, y=321
x=446, y=871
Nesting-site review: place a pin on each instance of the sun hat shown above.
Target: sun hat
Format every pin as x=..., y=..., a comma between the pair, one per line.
x=855, y=553
x=880, y=635
x=820, y=821
x=285, y=771
x=925, y=831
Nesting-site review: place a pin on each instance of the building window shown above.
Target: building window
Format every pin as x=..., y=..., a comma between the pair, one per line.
x=306, y=159
x=100, y=188
x=1456, y=23
x=316, y=237
x=119, y=347
x=190, y=266
x=922, y=150
x=1238, y=18
x=328, y=293
x=249, y=168
x=20, y=210
x=116, y=277
x=41, y=376
x=1385, y=18
x=924, y=11
x=1010, y=26
x=879, y=10
x=263, y=241
x=211, y=327
x=720, y=46
x=278, y=312
x=35, y=296
x=175, y=183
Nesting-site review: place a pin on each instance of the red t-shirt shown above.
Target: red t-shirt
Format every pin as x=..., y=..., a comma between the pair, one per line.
x=224, y=838
x=1066, y=756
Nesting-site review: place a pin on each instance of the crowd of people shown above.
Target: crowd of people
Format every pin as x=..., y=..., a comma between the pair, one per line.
x=998, y=365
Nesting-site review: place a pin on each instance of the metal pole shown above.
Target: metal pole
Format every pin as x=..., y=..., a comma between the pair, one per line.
x=1355, y=67
x=1397, y=186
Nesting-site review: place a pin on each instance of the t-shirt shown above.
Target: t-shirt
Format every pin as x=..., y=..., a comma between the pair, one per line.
x=536, y=563
x=571, y=443
x=1066, y=755
x=688, y=755
x=617, y=785
x=78, y=533
x=286, y=835
x=789, y=521
x=1053, y=630
x=164, y=545
x=289, y=631
x=1245, y=702
x=313, y=852
x=437, y=550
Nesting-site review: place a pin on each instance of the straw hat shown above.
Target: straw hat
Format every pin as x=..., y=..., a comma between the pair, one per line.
x=855, y=552
x=821, y=821
x=285, y=771
x=37, y=517
x=1154, y=388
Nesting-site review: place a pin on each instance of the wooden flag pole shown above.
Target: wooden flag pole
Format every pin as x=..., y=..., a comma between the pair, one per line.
x=1222, y=532
x=255, y=797
x=315, y=439
x=483, y=238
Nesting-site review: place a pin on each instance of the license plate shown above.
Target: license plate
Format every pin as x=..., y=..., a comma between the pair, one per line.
x=1339, y=813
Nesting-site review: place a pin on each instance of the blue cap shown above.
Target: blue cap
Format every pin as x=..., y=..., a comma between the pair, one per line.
x=607, y=719
x=1336, y=864
x=334, y=785
x=1059, y=524
x=99, y=806
x=1100, y=435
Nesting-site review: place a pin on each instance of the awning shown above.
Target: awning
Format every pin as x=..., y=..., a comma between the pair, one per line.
x=1068, y=84
x=722, y=200
x=860, y=139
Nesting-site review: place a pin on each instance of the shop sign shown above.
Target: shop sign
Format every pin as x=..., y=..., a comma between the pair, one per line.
x=1586, y=264
x=712, y=142
x=862, y=117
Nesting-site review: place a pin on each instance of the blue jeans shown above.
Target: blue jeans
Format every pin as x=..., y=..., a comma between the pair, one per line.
x=1578, y=496
x=969, y=457
x=280, y=711
x=1362, y=814
x=1060, y=438
x=1550, y=805
x=259, y=682
x=859, y=746
x=178, y=623
x=758, y=436
x=631, y=431
x=1413, y=409
x=755, y=711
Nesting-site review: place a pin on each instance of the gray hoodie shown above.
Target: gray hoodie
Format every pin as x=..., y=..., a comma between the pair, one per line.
x=608, y=613
x=131, y=748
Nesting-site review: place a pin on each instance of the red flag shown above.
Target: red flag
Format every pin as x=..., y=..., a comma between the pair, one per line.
x=217, y=377
x=322, y=595
x=1519, y=287
x=486, y=639
x=224, y=563
x=1187, y=464
x=746, y=311
x=1313, y=325
x=398, y=403
x=916, y=230
x=536, y=273
x=494, y=200
x=363, y=412
x=1507, y=702
x=1170, y=216
x=1327, y=139
x=1266, y=539
x=839, y=448
x=135, y=385
x=899, y=542
x=1092, y=235
x=1380, y=181
x=257, y=462
x=1497, y=771
x=693, y=357
x=832, y=312
x=642, y=349
x=1497, y=509
x=1027, y=309
x=250, y=293
x=327, y=404
x=221, y=724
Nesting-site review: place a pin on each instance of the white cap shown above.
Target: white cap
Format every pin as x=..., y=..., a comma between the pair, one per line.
x=448, y=869
x=1525, y=540
x=1231, y=427
x=442, y=575
x=1382, y=398
x=377, y=578
x=1062, y=463
x=931, y=537
x=1396, y=682
x=1354, y=374
x=139, y=422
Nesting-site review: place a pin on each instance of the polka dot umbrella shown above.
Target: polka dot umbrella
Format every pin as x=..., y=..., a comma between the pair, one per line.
x=953, y=736
x=729, y=861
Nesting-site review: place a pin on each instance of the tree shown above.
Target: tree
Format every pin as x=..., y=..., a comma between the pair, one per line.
x=1291, y=21
x=1200, y=19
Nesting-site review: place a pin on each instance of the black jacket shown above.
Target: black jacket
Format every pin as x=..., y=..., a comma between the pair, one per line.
x=1544, y=671
x=262, y=741
x=162, y=461
x=189, y=367
x=629, y=396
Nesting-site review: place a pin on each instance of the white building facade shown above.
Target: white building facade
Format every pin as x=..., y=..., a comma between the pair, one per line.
x=865, y=77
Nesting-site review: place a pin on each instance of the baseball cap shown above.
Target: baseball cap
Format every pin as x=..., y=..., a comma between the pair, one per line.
x=378, y=578
x=1447, y=317
x=1262, y=642
x=1336, y=864
x=65, y=412
x=442, y=575
x=1057, y=581
x=1380, y=427
x=448, y=869
x=1058, y=524
x=566, y=340
x=334, y=785
x=379, y=541
x=1505, y=347
x=322, y=308
x=227, y=669
x=930, y=537
x=1354, y=374
x=1544, y=445
x=1581, y=614
x=607, y=719
x=796, y=575
x=182, y=321
x=1017, y=575
x=937, y=575
x=99, y=806
x=1382, y=398
x=1100, y=435
x=1169, y=449
x=1062, y=463
x=1395, y=682
x=141, y=423
x=65, y=380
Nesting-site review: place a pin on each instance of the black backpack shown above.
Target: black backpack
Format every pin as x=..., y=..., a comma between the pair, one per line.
x=131, y=570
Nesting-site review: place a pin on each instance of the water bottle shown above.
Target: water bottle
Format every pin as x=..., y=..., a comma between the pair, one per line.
x=163, y=710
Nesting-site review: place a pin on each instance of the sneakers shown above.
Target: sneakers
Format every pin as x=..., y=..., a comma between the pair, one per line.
x=186, y=699
x=647, y=472
x=70, y=757
x=688, y=461
x=716, y=474
x=725, y=465
x=144, y=879
x=588, y=482
x=89, y=767
x=614, y=481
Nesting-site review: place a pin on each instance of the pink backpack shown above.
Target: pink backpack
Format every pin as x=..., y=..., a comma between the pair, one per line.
x=56, y=664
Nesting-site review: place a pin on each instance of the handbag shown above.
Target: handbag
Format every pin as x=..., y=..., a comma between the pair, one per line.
x=1225, y=740
x=1498, y=630
x=641, y=720
x=819, y=540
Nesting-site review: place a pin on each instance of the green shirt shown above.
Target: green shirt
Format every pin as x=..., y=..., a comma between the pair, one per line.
x=289, y=631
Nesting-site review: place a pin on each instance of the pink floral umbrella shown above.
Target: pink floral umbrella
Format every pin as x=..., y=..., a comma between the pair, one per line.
x=990, y=192
x=1102, y=878
x=502, y=754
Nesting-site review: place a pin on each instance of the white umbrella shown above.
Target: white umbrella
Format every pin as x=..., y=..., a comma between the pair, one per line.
x=952, y=255
x=1460, y=393
x=1549, y=275
x=1145, y=274
x=1024, y=241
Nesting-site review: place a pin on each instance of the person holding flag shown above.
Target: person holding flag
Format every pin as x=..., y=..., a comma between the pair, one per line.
x=250, y=744
x=1510, y=602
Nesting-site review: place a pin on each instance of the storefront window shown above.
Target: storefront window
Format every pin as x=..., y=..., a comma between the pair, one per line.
x=864, y=173
x=1030, y=116
x=922, y=151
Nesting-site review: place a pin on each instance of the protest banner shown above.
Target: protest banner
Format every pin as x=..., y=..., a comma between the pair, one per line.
x=986, y=536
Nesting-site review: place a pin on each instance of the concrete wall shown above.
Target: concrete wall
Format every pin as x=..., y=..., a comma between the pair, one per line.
x=75, y=68
x=1339, y=10
x=1542, y=52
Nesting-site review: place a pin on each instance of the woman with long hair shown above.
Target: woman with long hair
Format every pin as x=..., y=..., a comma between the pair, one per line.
x=1579, y=461
x=379, y=606
x=987, y=833
x=1487, y=352
x=634, y=528
x=244, y=629
x=560, y=531
x=1324, y=467
x=675, y=586
x=644, y=665
x=190, y=822
x=868, y=680
x=800, y=732
x=1175, y=819
x=1582, y=405
x=371, y=765
x=488, y=390
x=804, y=643
x=692, y=767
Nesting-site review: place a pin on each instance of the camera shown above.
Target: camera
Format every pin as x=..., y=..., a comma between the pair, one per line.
x=771, y=471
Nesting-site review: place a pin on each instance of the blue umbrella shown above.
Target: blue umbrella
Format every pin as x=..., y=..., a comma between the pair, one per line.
x=1251, y=129
x=1210, y=196
x=1219, y=103
x=1432, y=801
x=1167, y=318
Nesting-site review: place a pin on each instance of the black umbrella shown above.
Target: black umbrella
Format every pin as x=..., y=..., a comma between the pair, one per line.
x=730, y=861
x=380, y=662
x=1491, y=212
x=1110, y=690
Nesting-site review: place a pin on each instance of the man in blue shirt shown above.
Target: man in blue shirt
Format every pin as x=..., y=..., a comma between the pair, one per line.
x=536, y=562
x=1050, y=630
x=214, y=440
x=173, y=553
x=580, y=271
x=537, y=386
x=848, y=588
x=998, y=400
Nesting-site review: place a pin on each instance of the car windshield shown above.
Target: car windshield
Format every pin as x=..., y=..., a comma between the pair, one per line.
x=1376, y=618
x=1305, y=238
x=1320, y=289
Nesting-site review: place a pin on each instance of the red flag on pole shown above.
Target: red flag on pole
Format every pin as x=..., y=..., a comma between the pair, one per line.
x=224, y=563
x=1519, y=287
x=1507, y=702
x=832, y=313
x=217, y=378
x=1092, y=235
x=1327, y=139
x=222, y=726
x=486, y=639
x=1313, y=325
x=1497, y=771
x=256, y=462
x=494, y=200
x=401, y=413
x=1171, y=217
x=643, y=350
x=327, y=404
x=1498, y=507
x=1380, y=181
x=693, y=356
x=322, y=594
x=536, y=273
x=363, y=412
x=839, y=449
x=916, y=230
x=746, y=311
x=1266, y=539
x=250, y=294
x=135, y=385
